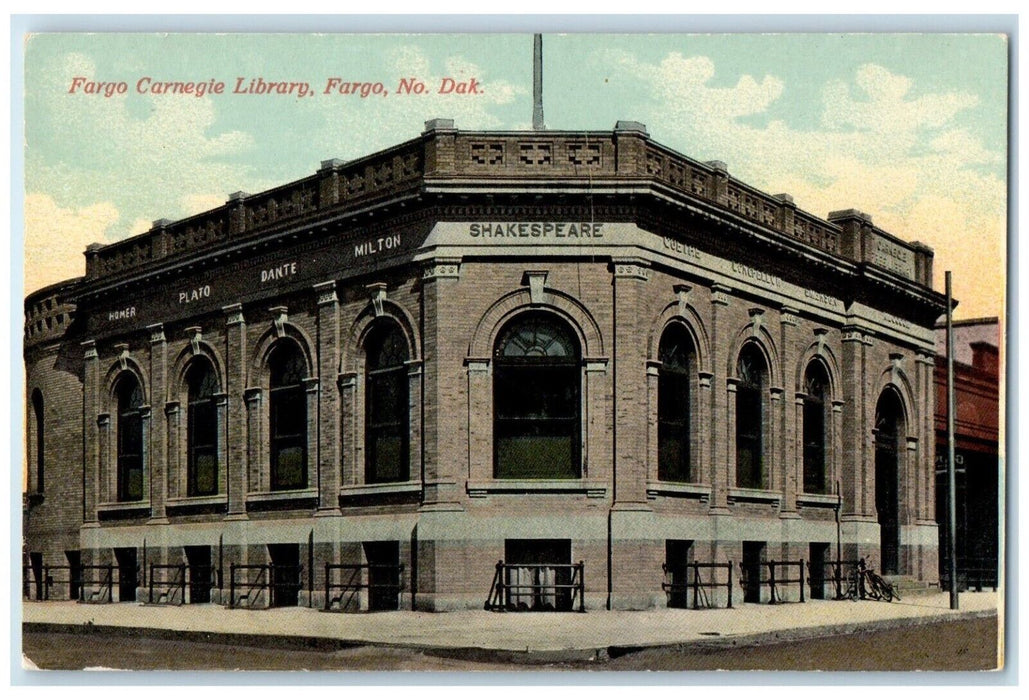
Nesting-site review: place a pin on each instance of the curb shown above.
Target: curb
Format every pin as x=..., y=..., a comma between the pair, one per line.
x=527, y=656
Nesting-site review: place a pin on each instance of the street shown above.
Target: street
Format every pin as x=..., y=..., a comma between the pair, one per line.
x=963, y=645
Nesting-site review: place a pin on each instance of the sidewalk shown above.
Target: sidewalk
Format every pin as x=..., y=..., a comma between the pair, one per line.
x=539, y=635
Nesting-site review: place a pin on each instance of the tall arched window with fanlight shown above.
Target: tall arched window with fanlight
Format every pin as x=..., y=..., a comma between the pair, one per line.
x=387, y=410
x=287, y=417
x=752, y=372
x=674, y=405
x=201, y=429
x=129, y=396
x=536, y=399
x=37, y=413
x=816, y=383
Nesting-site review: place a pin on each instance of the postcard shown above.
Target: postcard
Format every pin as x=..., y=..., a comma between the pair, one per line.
x=505, y=351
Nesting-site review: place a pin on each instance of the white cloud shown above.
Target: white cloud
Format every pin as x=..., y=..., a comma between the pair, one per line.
x=56, y=238
x=146, y=159
x=400, y=114
x=882, y=147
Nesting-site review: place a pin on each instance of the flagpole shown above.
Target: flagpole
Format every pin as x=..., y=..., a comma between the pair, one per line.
x=952, y=564
x=537, y=83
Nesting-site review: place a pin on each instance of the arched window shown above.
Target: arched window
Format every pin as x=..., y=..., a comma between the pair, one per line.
x=37, y=410
x=750, y=417
x=130, y=438
x=816, y=382
x=889, y=432
x=288, y=418
x=201, y=430
x=387, y=416
x=673, y=405
x=536, y=405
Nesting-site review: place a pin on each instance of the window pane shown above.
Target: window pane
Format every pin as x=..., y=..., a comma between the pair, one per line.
x=289, y=412
x=536, y=400
x=536, y=392
x=814, y=447
x=203, y=424
x=386, y=347
x=387, y=398
x=289, y=467
x=748, y=438
x=387, y=413
x=535, y=457
x=130, y=479
x=205, y=478
x=389, y=458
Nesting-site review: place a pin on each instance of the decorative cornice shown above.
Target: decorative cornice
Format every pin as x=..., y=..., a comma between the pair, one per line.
x=156, y=333
x=442, y=268
x=720, y=294
x=632, y=268
x=326, y=292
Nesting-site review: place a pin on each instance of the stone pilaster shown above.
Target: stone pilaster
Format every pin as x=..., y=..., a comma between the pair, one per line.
x=791, y=428
x=721, y=437
x=257, y=478
x=236, y=435
x=653, y=456
x=158, y=467
x=351, y=471
x=926, y=366
x=414, y=419
x=329, y=457
x=480, y=419
x=90, y=432
x=442, y=453
x=630, y=385
x=311, y=392
x=858, y=464
x=176, y=480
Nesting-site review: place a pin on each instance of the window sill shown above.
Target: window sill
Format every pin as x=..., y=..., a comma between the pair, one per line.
x=279, y=496
x=680, y=489
x=592, y=489
x=375, y=489
x=122, y=506
x=186, y=501
x=755, y=496
x=818, y=499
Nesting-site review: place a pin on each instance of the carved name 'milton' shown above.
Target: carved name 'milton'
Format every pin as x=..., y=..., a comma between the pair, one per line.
x=377, y=245
x=536, y=229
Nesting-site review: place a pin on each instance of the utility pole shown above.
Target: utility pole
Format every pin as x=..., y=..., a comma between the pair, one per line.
x=952, y=563
x=537, y=83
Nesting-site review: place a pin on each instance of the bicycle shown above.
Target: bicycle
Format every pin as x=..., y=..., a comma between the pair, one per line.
x=864, y=583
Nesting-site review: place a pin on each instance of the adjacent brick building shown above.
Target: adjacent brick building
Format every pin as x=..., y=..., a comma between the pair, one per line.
x=538, y=347
x=976, y=447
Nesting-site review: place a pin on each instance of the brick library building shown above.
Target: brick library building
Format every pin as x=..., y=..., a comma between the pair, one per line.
x=535, y=370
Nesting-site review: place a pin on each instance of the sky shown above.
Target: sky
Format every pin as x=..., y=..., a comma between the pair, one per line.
x=909, y=128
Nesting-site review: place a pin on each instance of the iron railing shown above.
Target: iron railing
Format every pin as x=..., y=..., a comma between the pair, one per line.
x=246, y=587
x=835, y=575
x=778, y=577
x=538, y=587
x=354, y=578
x=99, y=585
x=973, y=573
x=692, y=582
x=171, y=588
